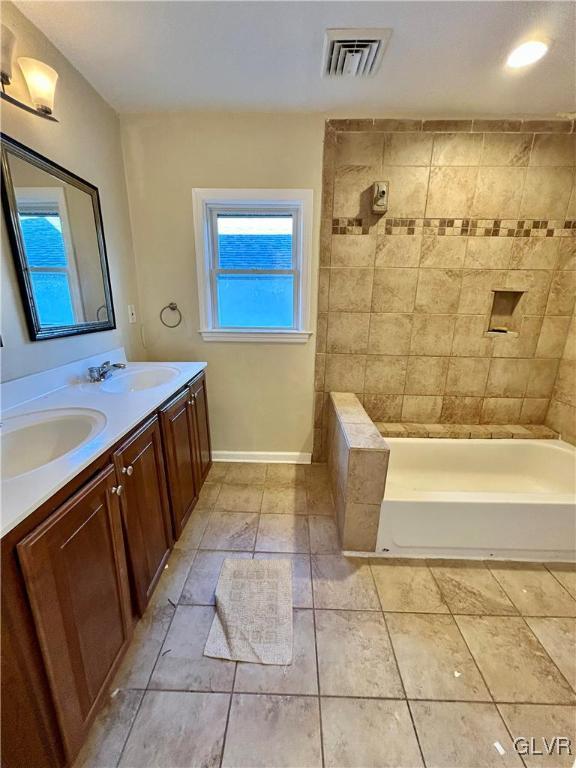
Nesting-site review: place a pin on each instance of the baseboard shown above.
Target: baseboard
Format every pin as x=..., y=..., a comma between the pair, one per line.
x=271, y=457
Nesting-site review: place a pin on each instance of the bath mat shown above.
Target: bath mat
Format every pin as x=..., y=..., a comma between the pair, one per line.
x=253, y=620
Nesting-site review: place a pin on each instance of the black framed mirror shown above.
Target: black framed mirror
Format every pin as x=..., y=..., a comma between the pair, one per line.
x=54, y=223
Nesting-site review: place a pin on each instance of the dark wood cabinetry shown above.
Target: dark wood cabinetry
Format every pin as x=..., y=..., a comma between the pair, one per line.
x=75, y=573
x=76, y=569
x=139, y=465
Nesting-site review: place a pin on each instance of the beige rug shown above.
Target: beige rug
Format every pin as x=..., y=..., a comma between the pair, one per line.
x=253, y=619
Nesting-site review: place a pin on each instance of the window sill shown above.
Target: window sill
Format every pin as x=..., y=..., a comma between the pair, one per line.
x=268, y=337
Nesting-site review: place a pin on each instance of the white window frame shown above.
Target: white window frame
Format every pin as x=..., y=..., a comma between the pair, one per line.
x=206, y=204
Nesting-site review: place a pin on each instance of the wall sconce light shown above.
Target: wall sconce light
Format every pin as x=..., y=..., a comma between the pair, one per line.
x=39, y=77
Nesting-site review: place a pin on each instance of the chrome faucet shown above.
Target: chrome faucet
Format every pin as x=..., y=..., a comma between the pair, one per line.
x=100, y=372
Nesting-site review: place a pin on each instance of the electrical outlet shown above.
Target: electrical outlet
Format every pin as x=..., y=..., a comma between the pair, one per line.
x=131, y=313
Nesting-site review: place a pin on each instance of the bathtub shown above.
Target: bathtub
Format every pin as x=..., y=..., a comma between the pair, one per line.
x=501, y=499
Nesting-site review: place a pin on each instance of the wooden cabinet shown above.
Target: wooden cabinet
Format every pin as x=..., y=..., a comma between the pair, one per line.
x=200, y=405
x=139, y=466
x=75, y=573
x=179, y=432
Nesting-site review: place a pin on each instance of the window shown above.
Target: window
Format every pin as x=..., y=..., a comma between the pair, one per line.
x=253, y=264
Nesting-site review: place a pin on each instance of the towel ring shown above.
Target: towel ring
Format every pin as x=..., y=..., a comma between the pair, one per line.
x=174, y=308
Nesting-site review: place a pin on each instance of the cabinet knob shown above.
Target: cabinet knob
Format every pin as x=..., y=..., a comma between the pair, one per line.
x=190, y=402
x=128, y=470
x=117, y=489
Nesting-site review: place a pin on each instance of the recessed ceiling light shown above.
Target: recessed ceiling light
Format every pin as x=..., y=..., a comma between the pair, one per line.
x=527, y=53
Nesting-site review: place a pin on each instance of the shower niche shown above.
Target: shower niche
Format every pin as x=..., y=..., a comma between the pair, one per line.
x=505, y=317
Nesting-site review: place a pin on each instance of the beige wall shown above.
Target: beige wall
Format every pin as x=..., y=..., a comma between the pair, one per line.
x=87, y=142
x=261, y=395
x=405, y=298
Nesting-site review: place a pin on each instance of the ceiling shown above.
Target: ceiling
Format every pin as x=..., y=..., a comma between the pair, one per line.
x=444, y=58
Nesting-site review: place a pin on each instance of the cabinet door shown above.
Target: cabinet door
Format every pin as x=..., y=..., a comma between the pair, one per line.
x=75, y=573
x=145, y=511
x=178, y=431
x=204, y=451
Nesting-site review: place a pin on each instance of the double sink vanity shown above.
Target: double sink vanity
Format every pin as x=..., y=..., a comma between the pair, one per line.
x=99, y=479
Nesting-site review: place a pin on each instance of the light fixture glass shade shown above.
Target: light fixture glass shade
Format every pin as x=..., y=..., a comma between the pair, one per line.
x=527, y=53
x=7, y=40
x=41, y=81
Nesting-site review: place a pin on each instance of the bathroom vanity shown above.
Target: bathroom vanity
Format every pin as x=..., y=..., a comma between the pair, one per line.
x=85, y=540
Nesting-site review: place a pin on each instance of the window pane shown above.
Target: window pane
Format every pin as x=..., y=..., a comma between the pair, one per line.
x=52, y=298
x=43, y=241
x=255, y=242
x=255, y=301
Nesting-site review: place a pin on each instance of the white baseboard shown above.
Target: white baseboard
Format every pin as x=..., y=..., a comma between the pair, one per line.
x=271, y=457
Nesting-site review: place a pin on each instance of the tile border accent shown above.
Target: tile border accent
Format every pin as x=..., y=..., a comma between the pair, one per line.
x=392, y=125
x=468, y=227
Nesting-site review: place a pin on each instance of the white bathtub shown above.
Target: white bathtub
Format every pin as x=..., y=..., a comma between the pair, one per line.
x=501, y=499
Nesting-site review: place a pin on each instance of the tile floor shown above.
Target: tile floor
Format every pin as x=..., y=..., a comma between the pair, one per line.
x=396, y=663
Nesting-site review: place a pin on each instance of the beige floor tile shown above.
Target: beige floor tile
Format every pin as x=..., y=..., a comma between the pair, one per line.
x=514, y=665
x=283, y=533
x=462, y=735
x=300, y=677
x=208, y=495
x=565, y=574
x=181, y=663
x=433, y=658
x=301, y=578
x=542, y=722
x=171, y=583
x=246, y=473
x=317, y=475
x=407, y=586
x=324, y=538
x=343, y=582
x=533, y=590
x=363, y=733
x=319, y=500
x=203, y=577
x=355, y=657
x=105, y=742
x=286, y=474
x=273, y=732
x=144, y=648
x=284, y=500
x=177, y=729
x=218, y=472
x=230, y=530
x=239, y=498
x=191, y=536
x=558, y=636
x=470, y=588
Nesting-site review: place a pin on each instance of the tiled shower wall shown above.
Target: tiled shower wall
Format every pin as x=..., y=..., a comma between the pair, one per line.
x=405, y=298
x=561, y=414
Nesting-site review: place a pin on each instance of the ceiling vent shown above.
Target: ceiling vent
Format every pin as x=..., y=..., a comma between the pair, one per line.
x=354, y=52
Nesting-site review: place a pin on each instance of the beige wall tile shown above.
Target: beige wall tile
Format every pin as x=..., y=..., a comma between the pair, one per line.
x=488, y=252
x=319, y=372
x=522, y=345
x=426, y=375
x=506, y=149
x=345, y=373
x=507, y=378
x=407, y=149
x=562, y=294
x=432, y=335
x=534, y=410
x=447, y=126
x=546, y=193
x=423, y=409
x=348, y=332
x=457, y=149
x=321, y=331
x=477, y=285
x=366, y=476
x=353, y=250
x=385, y=374
x=360, y=531
x=567, y=253
x=394, y=290
x=383, y=407
x=469, y=339
x=398, y=250
x=534, y=252
x=467, y=376
x=451, y=191
x=438, y=291
x=496, y=126
x=389, y=334
x=407, y=190
x=352, y=191
x=440, y=251
x=395, y=125
x=323, y=289
x=535, y=283
x=350, y=289
x=360, y=148
x=549, y=149
x=562, y=418
x=547, y=126
x=565, y=387
x=542, y=377
x=552, y=337
x=501, y=410
x=461, y=410
x=498, y=193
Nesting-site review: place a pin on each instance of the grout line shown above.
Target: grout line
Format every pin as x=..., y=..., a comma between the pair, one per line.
x=317, y=662
x=225, y=735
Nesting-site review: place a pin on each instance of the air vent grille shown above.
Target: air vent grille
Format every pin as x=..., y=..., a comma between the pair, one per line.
x=354, y=52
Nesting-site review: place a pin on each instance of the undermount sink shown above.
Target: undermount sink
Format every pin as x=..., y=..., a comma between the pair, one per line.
x=134, y=381
x=35, y=439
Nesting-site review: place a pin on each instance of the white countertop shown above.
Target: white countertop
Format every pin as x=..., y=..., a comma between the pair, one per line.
x=23, y=494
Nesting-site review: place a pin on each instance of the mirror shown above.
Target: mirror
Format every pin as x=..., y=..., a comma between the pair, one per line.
x=55, y=227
